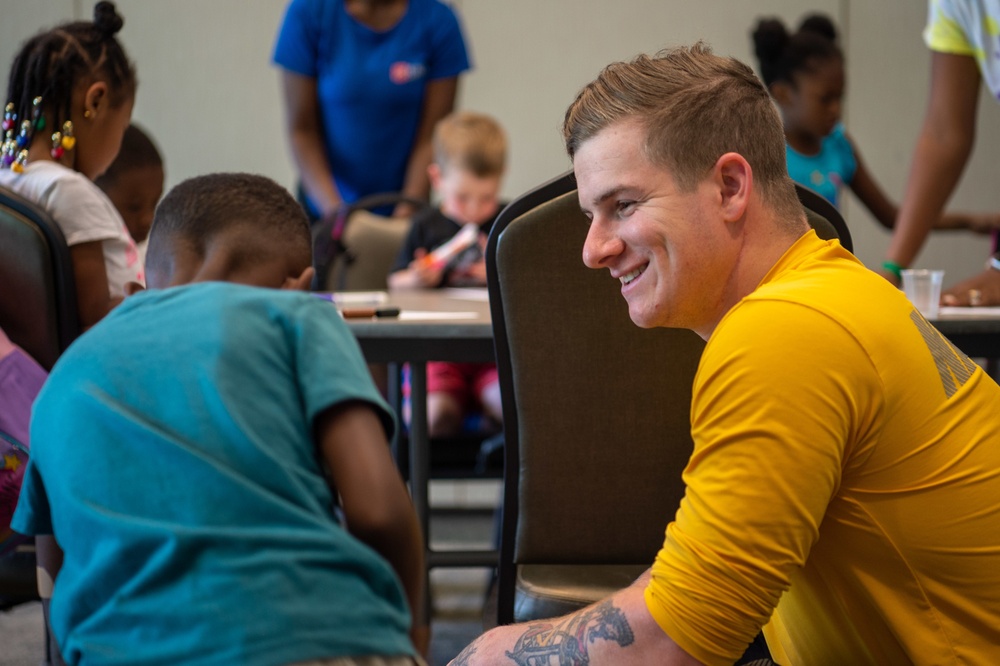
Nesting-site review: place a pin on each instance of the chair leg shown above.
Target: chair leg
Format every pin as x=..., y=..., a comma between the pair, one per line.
x=490, y=451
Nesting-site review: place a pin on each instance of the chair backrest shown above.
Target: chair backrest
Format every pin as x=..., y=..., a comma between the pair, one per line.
x=356, y=250
x=596, y=410
x=824, y=217
x=371, y=244
x=38, y=308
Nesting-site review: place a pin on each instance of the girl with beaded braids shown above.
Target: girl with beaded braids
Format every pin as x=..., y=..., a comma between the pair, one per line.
x=69, y=100
x=804, y=71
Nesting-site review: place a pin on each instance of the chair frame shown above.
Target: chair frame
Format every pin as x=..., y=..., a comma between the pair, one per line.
x=821, y=206
x=61, y=305
x=507, y=569
x=330, y=253
x=62, y=291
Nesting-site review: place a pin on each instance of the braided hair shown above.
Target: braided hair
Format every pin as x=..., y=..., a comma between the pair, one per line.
x=52, y=64
x=782, y=54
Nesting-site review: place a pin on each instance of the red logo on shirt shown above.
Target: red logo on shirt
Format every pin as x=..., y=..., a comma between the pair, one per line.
x=404, y=72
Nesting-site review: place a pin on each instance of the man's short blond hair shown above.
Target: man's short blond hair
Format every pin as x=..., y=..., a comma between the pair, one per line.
x=695, y=106
x=472, y=142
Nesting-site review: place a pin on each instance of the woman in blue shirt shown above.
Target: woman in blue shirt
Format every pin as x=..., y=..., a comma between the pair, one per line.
x=365, y=81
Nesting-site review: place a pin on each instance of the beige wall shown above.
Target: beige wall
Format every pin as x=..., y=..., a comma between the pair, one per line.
x=212, y=100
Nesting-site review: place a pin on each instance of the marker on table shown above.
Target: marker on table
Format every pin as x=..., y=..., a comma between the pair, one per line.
x=367, y=313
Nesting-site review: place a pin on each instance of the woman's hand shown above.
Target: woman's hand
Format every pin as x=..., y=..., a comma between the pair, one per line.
x=981, y=289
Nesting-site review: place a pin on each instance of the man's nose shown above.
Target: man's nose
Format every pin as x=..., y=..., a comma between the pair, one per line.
x=601, y=246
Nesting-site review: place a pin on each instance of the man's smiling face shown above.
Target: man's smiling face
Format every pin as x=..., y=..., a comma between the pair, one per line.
x=670, y=248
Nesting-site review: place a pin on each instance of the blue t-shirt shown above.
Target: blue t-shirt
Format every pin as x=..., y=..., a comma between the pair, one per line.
x=826, y=171
x=173, y=459
x=370, y=84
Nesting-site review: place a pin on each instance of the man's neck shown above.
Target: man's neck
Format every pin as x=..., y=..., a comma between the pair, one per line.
x=767, y=238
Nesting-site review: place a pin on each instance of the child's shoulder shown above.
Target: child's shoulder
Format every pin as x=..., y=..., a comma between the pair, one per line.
x=204, y=310
x=221, y=295
x=39, y=179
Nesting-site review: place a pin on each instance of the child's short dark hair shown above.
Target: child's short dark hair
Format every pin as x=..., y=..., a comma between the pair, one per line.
x=138, y=151
x=472, y=142
x=782, y=54
x=51, y=64
x=200, y=208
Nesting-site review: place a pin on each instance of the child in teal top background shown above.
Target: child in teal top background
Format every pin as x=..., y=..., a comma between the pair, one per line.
x=804, y=72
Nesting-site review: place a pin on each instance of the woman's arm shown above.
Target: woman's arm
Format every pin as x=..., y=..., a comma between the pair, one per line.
x=942, y=151
x=885, y=211
x=439, y=101
x=305, y=136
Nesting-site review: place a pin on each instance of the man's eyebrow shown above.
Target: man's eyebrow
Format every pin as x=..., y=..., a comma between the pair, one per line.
x=608, y=194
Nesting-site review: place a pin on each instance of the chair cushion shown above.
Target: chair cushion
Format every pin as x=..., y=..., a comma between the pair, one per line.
x=551, y=590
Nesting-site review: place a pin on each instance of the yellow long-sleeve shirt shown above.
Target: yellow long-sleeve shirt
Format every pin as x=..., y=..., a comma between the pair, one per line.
x=845, y=476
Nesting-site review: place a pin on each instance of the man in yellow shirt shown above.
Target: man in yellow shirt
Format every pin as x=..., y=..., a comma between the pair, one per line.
x=844, y=487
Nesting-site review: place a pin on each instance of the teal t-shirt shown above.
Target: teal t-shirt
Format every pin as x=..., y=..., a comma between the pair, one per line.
x=173, y=459
x=826, y=171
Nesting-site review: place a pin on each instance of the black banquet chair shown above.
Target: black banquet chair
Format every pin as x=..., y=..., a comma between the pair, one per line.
x=38, y=312
x=596, y=410
x=38, y=309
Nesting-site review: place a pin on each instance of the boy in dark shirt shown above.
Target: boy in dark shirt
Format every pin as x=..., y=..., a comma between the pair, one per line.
x=445, y=248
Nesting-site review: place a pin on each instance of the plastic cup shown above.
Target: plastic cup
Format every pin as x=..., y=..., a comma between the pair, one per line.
x=923, y=288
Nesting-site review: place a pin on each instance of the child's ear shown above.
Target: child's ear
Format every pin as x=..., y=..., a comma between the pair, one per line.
x=434, y=174
x=300, y=283
x=95, y=96
x=781, y=91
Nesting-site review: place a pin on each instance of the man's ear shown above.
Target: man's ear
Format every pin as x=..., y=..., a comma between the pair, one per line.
x=300, y=283
x=734, y=178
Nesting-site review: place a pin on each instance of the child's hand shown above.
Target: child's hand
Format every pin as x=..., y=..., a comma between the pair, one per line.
x=473, y=275
x=425, y=273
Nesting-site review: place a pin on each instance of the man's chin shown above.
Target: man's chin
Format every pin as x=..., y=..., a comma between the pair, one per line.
x=642, y=319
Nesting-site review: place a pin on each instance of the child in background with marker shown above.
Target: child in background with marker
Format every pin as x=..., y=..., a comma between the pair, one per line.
x=470, y=152
x=134, y=184
x=804, y=71
x=69, y=100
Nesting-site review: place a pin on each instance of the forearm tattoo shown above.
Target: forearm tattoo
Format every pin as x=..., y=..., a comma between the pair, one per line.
x=567, y=643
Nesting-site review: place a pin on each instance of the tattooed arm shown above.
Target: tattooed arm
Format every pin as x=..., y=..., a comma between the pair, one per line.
x=617, y=630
